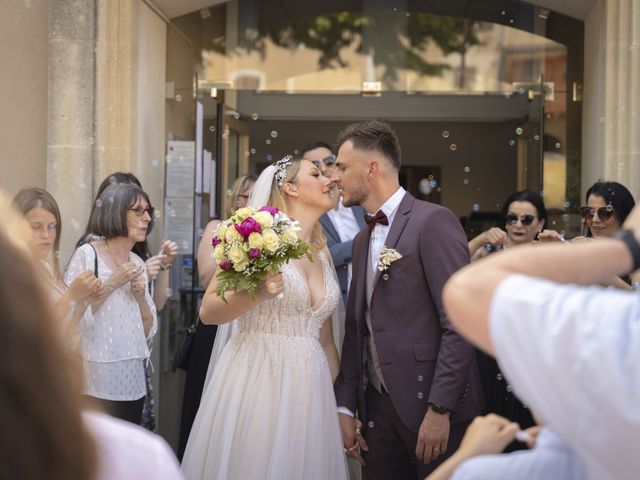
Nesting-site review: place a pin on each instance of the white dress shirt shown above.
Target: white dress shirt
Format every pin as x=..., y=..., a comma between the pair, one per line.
x=380, y=232
x=573, y=355
x=347, y=227
x=549, y=459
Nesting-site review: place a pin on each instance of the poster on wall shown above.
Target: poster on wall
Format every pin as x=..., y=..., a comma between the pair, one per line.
x=178, y=223
x=180, y=168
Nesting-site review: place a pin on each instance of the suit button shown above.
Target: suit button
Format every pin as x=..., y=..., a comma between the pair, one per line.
x=370, y=424
x=420, y=395
x=385, y=276
x=420, y=378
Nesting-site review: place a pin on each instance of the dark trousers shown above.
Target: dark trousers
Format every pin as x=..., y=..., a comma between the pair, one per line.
x=392, y=446
x=128, y=410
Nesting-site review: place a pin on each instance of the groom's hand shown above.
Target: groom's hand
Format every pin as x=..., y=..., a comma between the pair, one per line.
x=433, y=436
x=352, y=437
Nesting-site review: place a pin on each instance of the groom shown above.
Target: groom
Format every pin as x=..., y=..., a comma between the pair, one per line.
x=410, y=377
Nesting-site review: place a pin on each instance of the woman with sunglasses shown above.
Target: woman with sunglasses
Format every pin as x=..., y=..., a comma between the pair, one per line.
x=114, y=345
x=608, y=204
x=525, y=217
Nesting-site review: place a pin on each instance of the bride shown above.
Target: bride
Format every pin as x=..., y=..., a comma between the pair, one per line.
x=268, y=411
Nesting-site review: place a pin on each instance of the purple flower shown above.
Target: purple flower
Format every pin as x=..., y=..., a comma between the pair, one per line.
x=273, y=211
x=215, y=241
x=225, y=265
x=254, y=253
x=247, y=227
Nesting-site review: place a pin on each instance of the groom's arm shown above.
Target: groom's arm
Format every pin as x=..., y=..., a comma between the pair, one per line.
x=444, y=250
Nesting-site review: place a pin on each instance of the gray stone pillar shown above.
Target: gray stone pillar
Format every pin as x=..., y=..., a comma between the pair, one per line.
x=90, y=108
x=611, y=143
x=71, y=113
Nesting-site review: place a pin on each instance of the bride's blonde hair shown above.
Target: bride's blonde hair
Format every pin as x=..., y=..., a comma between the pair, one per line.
x=277, y=199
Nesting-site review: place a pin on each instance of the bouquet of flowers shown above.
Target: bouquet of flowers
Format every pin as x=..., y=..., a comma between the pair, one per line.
x=251, y=244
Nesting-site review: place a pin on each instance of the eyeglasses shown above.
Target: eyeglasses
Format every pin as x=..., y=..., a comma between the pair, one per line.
x=328, y=161
x=604, y=213
x=526, y=220
x=139, y=211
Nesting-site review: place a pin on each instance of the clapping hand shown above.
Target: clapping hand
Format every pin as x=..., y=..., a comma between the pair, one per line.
x=139, y=287
x=154, y=265
x=124, y=274
x=487, y=435
x=84, y=286
x=169, y=250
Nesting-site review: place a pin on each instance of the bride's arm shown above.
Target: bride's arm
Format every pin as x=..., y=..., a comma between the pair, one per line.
x=329, y=347
x=214, y=310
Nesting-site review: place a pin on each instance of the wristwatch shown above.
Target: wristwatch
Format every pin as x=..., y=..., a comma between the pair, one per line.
x=436, y=407
x=629, y=239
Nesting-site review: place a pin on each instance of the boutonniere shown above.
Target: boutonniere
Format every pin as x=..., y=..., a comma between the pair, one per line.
x=386, y=257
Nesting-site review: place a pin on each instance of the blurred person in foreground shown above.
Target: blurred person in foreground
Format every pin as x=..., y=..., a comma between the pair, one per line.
x=45, y=432
x=569, y=348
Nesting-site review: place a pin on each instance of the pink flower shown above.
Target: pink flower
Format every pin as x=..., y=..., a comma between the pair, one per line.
x=273, y=211
x=225, y=265
x=254, y=253
x=215, y=241
x=247, y=227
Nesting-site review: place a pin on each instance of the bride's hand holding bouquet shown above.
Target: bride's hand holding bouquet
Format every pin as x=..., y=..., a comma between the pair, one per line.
x=251, y=246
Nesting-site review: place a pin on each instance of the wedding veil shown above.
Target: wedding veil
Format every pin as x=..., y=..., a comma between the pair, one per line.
x=259, y=197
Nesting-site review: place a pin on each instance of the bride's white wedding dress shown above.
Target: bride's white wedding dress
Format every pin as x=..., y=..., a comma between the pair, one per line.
x=269, y=411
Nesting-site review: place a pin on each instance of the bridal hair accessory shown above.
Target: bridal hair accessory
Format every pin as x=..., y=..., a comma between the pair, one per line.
x=386, y=257
x=281, y=169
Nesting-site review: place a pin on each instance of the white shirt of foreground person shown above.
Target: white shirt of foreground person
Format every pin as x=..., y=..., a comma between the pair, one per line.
x=573, y=355
x=128, y=452
x=549, y=459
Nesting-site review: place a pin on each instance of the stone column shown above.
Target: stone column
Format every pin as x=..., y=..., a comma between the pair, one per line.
x=611, y=140
x=71, y=113
x=90, y=107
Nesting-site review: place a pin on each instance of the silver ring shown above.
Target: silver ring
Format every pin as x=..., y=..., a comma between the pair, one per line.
x=436, y=450
x=358, y=431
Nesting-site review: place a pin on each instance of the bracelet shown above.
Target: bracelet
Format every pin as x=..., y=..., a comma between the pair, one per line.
x=164, y=268
x=629, y=239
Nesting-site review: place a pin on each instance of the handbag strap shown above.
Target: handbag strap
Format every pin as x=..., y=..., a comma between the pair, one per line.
x=95, y=260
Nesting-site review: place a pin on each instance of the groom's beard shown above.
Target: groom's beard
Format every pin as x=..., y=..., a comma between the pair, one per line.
x=356, y=197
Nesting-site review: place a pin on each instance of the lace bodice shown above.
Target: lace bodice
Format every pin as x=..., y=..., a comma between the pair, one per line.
x=293, y=315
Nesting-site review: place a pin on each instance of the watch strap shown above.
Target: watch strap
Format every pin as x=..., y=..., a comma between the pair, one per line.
x=629, y=239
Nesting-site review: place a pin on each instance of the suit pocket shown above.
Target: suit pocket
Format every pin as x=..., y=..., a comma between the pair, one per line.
x=426, y=352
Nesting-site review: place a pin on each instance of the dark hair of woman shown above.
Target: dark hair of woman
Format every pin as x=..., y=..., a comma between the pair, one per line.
x=29, y=198
x=109, y=217
x=525, y=196
x=43, y=433
x=141, y=248
x=616, y=195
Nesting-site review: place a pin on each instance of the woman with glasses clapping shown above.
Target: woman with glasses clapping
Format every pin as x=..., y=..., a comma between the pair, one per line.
x=525, y=217
x=114, y=344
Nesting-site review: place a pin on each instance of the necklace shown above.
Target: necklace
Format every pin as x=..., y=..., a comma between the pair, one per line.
x=112, y=255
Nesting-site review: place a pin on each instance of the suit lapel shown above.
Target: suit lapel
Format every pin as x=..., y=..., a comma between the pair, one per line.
x=399, y=222
x=360, y=265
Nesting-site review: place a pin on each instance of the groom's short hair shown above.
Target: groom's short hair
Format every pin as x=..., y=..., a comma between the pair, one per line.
x=373, y=136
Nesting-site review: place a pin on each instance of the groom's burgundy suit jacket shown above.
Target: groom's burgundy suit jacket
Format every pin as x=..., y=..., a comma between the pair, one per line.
x=423, y=359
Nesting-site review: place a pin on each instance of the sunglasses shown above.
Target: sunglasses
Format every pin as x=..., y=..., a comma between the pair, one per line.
x=328, y=161
x=526, y=220
x=139, y=211
x=604, y=213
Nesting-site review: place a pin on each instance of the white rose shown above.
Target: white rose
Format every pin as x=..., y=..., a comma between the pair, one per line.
x=255, y=240
x=264, y=219
x=270, y=239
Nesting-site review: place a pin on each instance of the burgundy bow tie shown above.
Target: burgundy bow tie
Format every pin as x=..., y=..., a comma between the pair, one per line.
x=379, y=217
